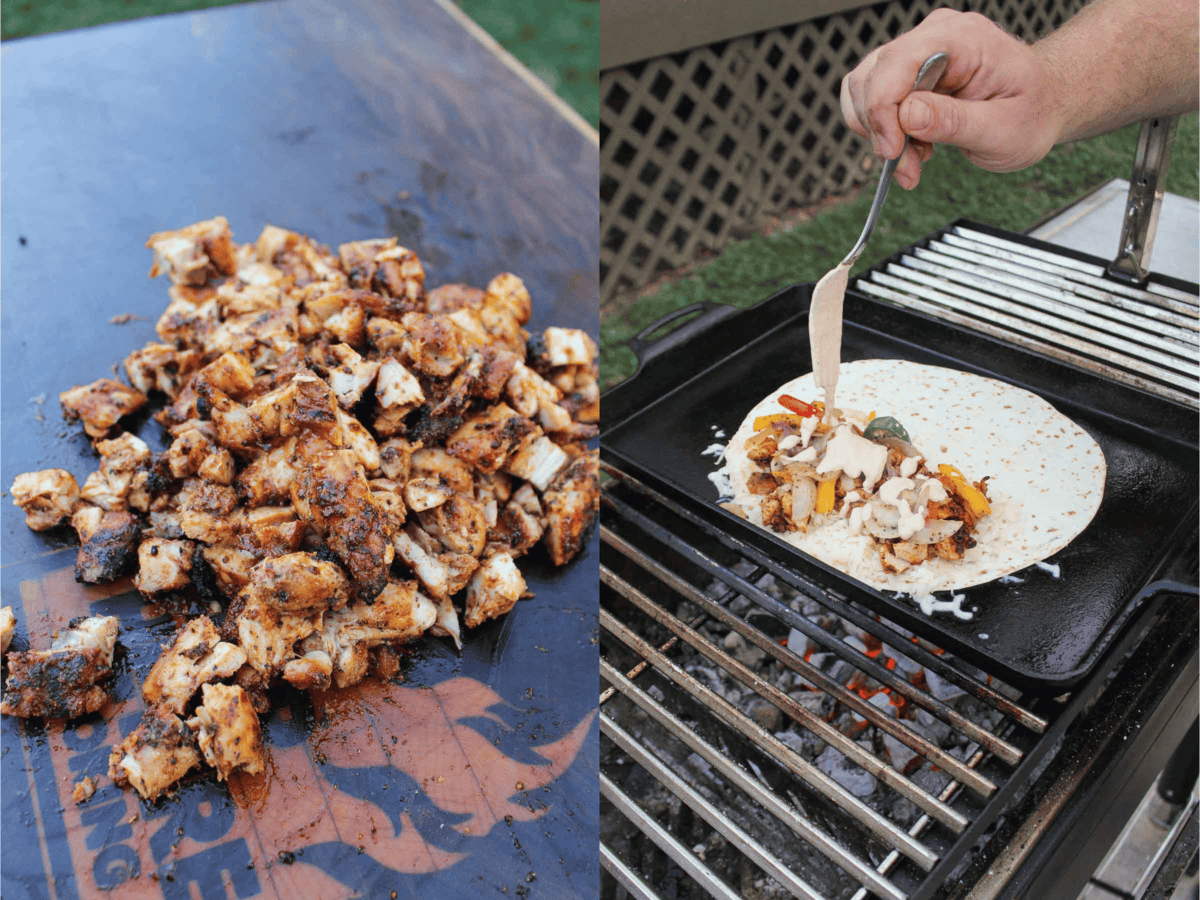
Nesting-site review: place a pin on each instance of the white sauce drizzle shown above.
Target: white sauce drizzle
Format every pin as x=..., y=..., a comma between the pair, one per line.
x=789, y=442
x=858, y=517
x=909, y=467
x=717, y=450
x=855, y=456
x=806, y=456
x=807, y=426
x=720, y=480
x=930, y=604
x=1054, y=569
x=931, y=489
x=1011, y=579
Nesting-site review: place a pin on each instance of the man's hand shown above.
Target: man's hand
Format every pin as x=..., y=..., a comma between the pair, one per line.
x=995, y=101
x=1006, y=103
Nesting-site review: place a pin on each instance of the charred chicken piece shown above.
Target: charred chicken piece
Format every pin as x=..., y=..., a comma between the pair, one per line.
x=400, y=613
x=8, y=622
x=487, y=438
x=159, y=752
x=227, y=730
x=494, y=590
x=108, y=543
x=197, y=656
x=538, y=460
x=120, y=459
x=194, y=254
x=163, y=565
x=572, y=503
x=101, y=404
x=48, y=497
x=161, y=367
x=62, y=682
x=298, y=583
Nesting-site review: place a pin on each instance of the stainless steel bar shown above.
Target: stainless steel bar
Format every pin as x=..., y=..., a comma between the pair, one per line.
x=666, y=841
x=1146, y=187
x=989, y=317
x=1181, y=301
x=1144, y=316
x=885, y=676
x=817, y=780
x=1042, y=340
x=889, y=862
x=858, y=869
x=843, y=744
x=624, y=875
x=1068, y=306
x=1106, y=339
x=831, y=686
x=726, y=827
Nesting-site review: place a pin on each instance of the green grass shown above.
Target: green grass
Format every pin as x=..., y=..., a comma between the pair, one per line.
x=558, y=40
x=951, y=188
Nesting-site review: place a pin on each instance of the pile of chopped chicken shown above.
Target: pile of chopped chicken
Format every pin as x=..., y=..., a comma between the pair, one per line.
x=353, y=461
x=865, y=470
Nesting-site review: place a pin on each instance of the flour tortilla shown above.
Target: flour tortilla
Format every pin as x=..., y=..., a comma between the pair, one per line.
x=1046, y=473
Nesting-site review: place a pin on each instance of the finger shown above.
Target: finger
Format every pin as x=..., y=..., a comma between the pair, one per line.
x=848, y=111
x=938, y=119
x=908, y=168
x=924, y=149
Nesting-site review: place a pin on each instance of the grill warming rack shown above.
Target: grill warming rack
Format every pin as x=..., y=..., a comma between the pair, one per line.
x=1052, y=303
x=669, y=579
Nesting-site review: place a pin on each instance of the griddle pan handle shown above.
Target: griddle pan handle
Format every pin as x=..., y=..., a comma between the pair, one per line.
x=705, y=315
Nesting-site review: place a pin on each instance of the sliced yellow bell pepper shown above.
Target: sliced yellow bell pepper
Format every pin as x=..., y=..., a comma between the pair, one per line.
x=761, y=422
x=974, y=497
x=825, y=495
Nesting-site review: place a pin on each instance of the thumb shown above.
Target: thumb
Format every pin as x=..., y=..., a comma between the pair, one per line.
x=939, y=119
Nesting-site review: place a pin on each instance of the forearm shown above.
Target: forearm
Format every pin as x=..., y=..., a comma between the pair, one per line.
x=1121, y=61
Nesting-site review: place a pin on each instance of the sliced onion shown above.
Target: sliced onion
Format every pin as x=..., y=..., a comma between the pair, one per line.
x=846, y=482
x=797, y=470
x=882, y=532
x=887, y=516
x=895, y=443
x=804, y=499
x=937, y=530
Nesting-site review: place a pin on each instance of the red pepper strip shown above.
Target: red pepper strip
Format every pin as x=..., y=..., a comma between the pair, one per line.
x=799, y=407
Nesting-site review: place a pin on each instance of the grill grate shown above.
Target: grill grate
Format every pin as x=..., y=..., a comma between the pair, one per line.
x=1054, y=304
x=675, y=709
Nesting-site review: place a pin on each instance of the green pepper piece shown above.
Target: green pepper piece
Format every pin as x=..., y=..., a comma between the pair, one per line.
x=883, y=427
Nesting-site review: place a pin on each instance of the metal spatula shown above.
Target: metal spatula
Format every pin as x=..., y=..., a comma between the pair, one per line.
x=825, y=311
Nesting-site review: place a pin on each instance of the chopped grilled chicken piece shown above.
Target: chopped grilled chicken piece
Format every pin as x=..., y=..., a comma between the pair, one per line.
x=8, y=622
x=382, y=266
x=298, y=583
x=261, y=517
x=348, y=325
x=231, y=566
x=227, y=730
x=582, y=398
x=197, y=656
x=312, y=671
x=47, y=497
x=389, y=499
x=447, y=298
x=395, y=458
x=495, y=588
x=108, y=542
x=458, y=523
x=421, y=494
x=190, y=316
x=471, y=331
x=299, y=257
x=447, y=624
x=360, y=441
x=264, y=337
x=230, y=373
x=532, y=395
x=161, y=367
x=572, y=503
x=352, y=376
x=459, y=569
x=159, y=752
x=332, y=493
x=269, y=635
x=108, y=487
x=268, y=477
x=386, y=336
x=489, y=370
x=205, y=509
x=400, y=613
x=101, y=404
x=538, y=460
x=569, y=347
x=194, y=254
x=235, y=428
x=509, y=291
x=268, y=541
x=237, y=297
x=83, y=791
x=433, y=574
x=395, y=386
x=517, y=528
x=436, y=464
x=163, y=565
x=487, y=438
x=61, y=683
x=911, y=552
x=431, y=344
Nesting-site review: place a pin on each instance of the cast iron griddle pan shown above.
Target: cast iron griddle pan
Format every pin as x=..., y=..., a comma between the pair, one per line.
x=1044, y=633
x=469, y=774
